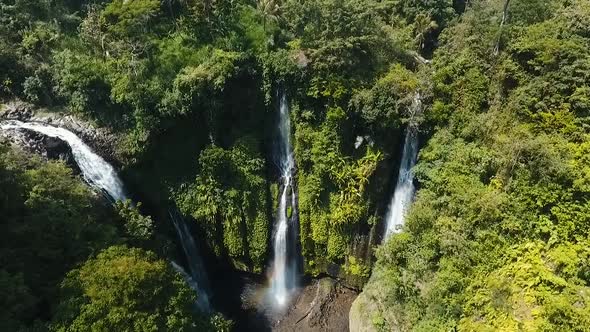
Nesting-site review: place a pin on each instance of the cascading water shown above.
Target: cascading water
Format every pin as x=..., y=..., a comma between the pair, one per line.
x=202, y=300
x=404, y=189
x=198, y=281
x=102, y=176
x=95, y=170
x=284, y=270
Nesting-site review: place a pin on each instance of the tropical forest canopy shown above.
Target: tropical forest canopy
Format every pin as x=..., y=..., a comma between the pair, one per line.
x=498, y=237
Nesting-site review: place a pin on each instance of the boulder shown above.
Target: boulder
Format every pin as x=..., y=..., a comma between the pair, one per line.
x=56, y=149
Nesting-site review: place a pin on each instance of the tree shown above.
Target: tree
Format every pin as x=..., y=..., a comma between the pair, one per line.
x=50, y=222
x=17, y=301
x=130, y=18
x=126, y=289
x=138, y=227
x=212, y=18
x=423, y=24
x=269, y=9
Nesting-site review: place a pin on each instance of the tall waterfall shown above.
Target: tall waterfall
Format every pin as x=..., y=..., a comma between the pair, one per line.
x=404, y=189
x=284, y=268
x=102, y=176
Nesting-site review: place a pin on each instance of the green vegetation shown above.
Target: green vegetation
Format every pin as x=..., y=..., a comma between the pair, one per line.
x=190, y=86
x=229, y=195
x=51, y=224
x=497, y=236
x=110, y=293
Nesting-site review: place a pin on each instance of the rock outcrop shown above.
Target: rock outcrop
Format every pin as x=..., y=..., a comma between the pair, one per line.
x=359, y=318
x=320, y=306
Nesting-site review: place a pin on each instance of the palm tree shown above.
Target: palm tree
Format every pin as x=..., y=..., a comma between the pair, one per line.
x=423, y=24
x=269, y=9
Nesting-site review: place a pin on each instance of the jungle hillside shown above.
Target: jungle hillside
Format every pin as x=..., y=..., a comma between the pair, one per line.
x=294, y=165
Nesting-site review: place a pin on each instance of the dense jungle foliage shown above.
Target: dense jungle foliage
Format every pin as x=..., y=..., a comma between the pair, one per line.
x=497, y=237
x=66, y=264
x=192, y=89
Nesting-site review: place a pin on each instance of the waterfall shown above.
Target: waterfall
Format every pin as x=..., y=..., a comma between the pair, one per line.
x=102, y=176
x=284, y=270
x=198, y=278
x=95, y=170
x=404, y=189
x=202, y=298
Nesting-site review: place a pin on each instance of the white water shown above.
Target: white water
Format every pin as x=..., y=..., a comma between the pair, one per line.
x=193, y=285
x=202, y=298
x=284, y=271
x=102, y=176
x=95, y=170
x=198, y=279
x=404, y=189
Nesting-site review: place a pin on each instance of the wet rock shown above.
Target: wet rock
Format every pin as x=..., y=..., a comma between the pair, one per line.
x=56, y=149
x=320, y=306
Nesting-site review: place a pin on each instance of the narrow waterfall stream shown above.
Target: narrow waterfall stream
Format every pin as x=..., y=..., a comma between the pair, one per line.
x=404, y=189
x=102, y=176
x=198, y=278
x=284, y=269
